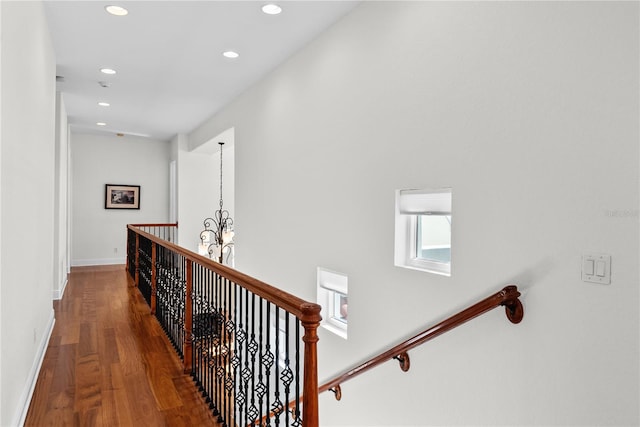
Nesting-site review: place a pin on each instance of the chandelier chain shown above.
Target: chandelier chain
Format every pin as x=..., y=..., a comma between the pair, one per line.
x=221, y=144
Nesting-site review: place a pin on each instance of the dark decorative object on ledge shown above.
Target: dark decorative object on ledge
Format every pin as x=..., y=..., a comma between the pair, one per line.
x=121, y=196
x=217, y=236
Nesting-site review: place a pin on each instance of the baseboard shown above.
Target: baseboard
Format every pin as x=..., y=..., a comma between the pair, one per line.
x=58, y=294
x=30, y=385
x=101, y=261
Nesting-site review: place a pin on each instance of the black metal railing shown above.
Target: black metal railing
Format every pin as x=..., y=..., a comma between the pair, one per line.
x=170, y=295
x=145, y=263
x=246, y=357
x=131, y=253
x=250, y=347
x=165, y=231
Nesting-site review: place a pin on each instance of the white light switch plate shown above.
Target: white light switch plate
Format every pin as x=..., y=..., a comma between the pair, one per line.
x=596, y=268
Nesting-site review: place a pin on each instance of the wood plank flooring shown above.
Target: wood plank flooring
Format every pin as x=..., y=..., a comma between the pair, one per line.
x=109, y=363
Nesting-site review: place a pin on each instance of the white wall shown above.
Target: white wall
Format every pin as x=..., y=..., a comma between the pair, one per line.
x=195, y=193
x=199, y=185
x=27, y=146
x=1, y=311
x=98, y=234
x=529, y=111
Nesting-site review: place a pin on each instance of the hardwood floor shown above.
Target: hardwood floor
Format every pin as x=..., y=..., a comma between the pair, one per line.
x=109, y=363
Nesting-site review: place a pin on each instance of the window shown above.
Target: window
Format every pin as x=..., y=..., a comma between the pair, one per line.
x=334, y=300
x=423, y=230
x=279, y=328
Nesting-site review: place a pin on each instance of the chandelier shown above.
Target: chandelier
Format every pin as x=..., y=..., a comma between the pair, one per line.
x=217, y=237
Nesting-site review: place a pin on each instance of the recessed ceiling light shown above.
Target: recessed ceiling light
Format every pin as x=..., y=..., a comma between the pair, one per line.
x=107, y=70
x=116, y=10
x=271, y=9
x=230, y=54
x=103, y=104
x=101, y=124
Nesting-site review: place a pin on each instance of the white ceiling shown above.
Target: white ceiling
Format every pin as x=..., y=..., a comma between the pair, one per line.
x=171, y=75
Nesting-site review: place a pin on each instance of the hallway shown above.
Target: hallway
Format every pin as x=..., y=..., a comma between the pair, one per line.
x=109, y=363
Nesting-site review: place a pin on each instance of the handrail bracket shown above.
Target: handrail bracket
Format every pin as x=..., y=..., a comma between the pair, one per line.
x=337, y=391
x=403, y=359
x=512, y=306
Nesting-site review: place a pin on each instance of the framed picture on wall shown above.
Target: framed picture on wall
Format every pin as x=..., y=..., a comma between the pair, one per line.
x=122, y=196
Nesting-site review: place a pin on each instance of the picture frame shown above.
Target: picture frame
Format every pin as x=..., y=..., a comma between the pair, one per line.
x=118, y=196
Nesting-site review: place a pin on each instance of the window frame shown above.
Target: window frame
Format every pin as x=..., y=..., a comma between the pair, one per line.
x=331, y=284
x=406, y=230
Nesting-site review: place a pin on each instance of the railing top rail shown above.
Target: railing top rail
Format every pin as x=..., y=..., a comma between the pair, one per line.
x=168, y=224
x=507, y=297
x=304, y=310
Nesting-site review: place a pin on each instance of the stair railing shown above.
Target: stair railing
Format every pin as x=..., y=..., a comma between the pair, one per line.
x=223, y=352
x=507, y=297
x=238, y=337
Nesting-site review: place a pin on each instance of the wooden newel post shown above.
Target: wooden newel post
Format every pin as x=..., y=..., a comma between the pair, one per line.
x=137, y=280
x=154, y=277
x=188, y=320
x=310, y=321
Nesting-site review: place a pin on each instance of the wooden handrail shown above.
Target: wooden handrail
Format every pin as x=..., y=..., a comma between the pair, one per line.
x=507, y=297
x=307, y=312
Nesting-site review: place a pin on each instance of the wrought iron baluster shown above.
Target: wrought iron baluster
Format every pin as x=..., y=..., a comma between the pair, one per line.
x=198, y=333
x=245, y=373
x=268, y=362
x=206, y=369
x=219, y=356
x=252, y=348
x=229, y=344
x=287, y=374
x=297, y=419
x=239, y=398
x=260, y=387
x=277, y=403
x=216, y=348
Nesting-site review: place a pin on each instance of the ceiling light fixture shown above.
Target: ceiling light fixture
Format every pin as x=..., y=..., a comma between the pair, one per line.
x=104, y=104
x=107, y=71
x=116, y=10
x=101, y=124
x=230, y=54
x=271, y=9
x=217, y=242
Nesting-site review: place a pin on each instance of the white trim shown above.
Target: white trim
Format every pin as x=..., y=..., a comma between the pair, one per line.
x=27, y=393
x=101, y=261
x=173, y=192
x=333, y=281
x=330, y=283
x=58, y=293
x=422, y=202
